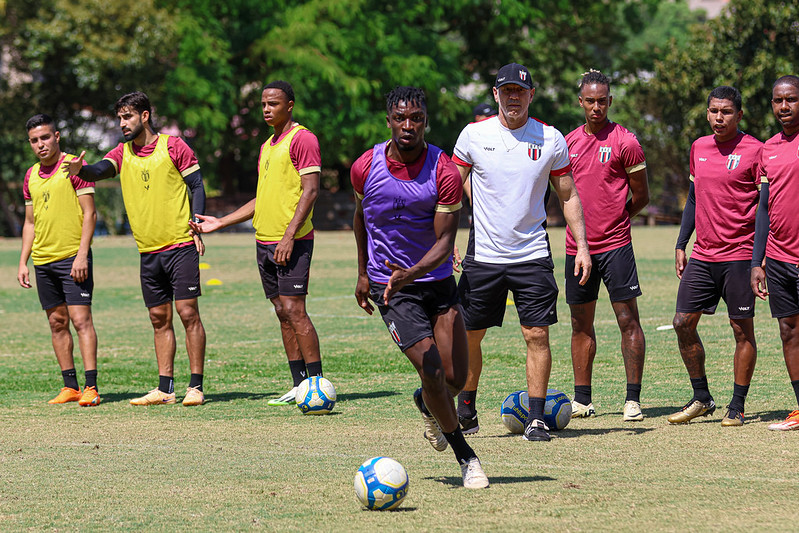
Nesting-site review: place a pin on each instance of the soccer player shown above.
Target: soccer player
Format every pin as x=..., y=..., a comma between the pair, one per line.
x=721, y=204
x=161, y=186
x=408, y=201
x=777, y=231
x=513, y=158
x=289, y=167
x=59, y=224
x=608, y=166
x=483, y=111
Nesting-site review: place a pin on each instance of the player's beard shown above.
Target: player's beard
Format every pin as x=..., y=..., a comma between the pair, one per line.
x=134, y=133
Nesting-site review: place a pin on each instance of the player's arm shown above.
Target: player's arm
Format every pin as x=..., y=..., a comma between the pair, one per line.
x=362, y=285
x=757, y=277
x=445, y=225
x=23, y=274
x=208, y=224
x=687, y=225
x=194, y=181
x=80, y=265
x=639, y=192
x=466, y=180
x=573, y=213
x=310, y=191
x=99, y=171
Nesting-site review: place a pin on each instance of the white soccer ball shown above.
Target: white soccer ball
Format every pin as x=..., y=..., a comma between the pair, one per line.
x=316, y=396
x=381, y=484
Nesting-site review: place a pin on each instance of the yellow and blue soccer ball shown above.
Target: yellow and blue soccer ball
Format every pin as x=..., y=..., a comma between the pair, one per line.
x=316, y=396
x=381, y=484
x=557, y=410
x=516, y=408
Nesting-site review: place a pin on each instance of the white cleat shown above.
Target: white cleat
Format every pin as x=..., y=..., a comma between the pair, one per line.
x=473, y=475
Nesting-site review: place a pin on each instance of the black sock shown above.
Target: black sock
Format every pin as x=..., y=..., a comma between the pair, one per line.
x=795, y=385
x=298, y=373
x=701, y=389
x=739, y=393
x=166, y=384
x=537, y=408
x=582, y=394
x=466, y=404
x=633, y=392
x=70, y=378
x=314, y=369
x=417, y=398
x=196, y=381
x=91, y=378
x=463, y=452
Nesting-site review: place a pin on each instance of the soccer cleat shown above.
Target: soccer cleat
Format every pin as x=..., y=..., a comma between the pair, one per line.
x=90, y=397
x=469, y=425
x=536, y=430
x=431, y=430
x=691, y=410
x=733, y=418
x=154, y=397
x=473, y=475
x=67, y=394
x=632, y=411
x=287, y=399
x=582, y=411
x=194, y=396
x=792, y=422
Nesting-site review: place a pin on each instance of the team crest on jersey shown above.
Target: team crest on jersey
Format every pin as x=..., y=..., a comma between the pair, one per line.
x=534, y=151
x=604, y=154
x=392, y=328
x=732, y=161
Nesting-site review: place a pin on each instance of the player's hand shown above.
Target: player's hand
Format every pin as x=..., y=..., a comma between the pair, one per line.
x=206, y=224
x=80, y=269
x=362, y=294
x=456, y=259
x=198, y=242
x=73, y=166
x=23, y=276
x=582, y=262
x=399, y=278
x=679, y=262
x=757, y=280
x=283, y=250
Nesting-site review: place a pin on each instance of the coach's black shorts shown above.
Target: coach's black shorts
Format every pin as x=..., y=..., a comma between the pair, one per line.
x=484, y=292
x=703, y=283
x=617, y=270
x=783, y=288
x=170, y=274
x=55, y=286
x=409, y=313
x=291, y=279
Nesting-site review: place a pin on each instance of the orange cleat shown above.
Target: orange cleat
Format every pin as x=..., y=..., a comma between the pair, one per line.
x=90, y=397
x=66, y=395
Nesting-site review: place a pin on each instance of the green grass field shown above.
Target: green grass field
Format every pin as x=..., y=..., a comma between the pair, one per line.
x=237, y=464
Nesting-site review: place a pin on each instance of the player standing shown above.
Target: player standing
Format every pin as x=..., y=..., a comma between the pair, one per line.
x=161, y=186
x=722, y=201
x=512, y=159
x=608, y=165
x=289, y=167
x=59, y=224
x=408, y=201
x=777, y=231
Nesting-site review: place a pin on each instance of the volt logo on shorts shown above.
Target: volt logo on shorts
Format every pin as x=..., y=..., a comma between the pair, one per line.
x=194, y=288
x=633, y=287
x=85, y=294
x=744, y=308
x=392, y=328
x=299, y=286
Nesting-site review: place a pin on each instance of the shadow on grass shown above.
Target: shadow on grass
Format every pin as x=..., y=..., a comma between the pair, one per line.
x=498, y=480
x=768, y=416
x=397, y=510
x=572, y=433
x=362, y=395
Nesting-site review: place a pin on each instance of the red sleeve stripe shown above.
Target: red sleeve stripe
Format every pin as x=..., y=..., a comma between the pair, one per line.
x=561, y=171
x=460, y=162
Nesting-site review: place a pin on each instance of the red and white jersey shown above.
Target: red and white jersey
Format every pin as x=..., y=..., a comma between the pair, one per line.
x=726, y=180
x=601, y=164
x=780, y=164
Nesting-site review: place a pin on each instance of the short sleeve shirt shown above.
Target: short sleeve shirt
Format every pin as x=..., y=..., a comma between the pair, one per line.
x=780, y=164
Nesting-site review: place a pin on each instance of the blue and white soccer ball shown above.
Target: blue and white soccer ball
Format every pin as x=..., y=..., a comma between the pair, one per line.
x=557, y=410
x=516, y=408
x=316, y=396
x=381, y=484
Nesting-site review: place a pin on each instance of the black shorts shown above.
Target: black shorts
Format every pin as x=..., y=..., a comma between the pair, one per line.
x=170, y=274
x=703, y=283
x=484, y=292
x=291, y=279
x=410, y=312
x=55, y=286
x=783, y=288
x=617, y=270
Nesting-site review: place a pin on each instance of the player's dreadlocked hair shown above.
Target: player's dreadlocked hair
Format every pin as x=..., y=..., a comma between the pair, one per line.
x=725, y=92
x=409, y=95
x=284, y=86
x=790, y=79
x=594, y=76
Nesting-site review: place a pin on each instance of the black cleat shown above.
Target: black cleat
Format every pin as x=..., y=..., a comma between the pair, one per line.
x=469, y=425
x=536, y=430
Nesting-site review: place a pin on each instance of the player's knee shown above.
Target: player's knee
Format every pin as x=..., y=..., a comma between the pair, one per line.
x=681, y=323
x=83, y=323
x=58, y=322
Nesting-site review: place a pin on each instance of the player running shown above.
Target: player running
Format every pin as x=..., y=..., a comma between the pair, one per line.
x=161, y=187
x=608, y=165
x=59, y=224
x=722, y=201
x=777, y=231
x=408, y=201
